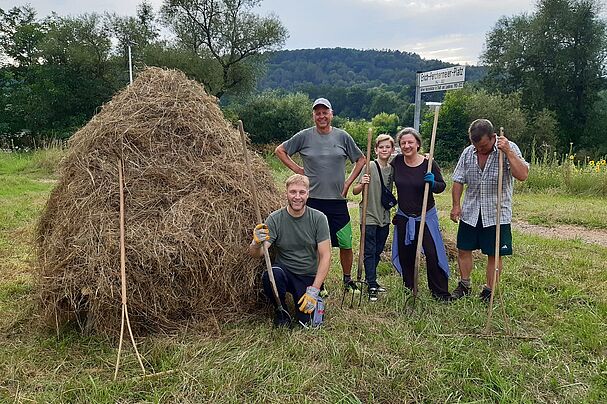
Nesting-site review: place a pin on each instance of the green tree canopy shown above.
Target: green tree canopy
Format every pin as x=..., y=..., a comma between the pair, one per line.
x=20, y=35
x=228, y=32
x=385, y=123
x=274, y=117
x=555, y=58
x=461, y=107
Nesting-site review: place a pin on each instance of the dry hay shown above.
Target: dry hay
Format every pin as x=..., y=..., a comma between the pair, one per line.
x=189, y=214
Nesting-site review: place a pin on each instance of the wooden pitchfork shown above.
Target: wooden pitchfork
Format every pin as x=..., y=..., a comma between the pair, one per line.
x=494, y=283
x=363, y=221
x=125, y=309
x=498, y=225
x=266, y=254
x=422, y=223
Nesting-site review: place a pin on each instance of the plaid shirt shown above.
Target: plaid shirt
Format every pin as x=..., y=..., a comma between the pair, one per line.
x=481, y=193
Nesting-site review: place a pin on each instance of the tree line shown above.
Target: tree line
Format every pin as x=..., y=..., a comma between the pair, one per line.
x=543, y=76
x=56, y=71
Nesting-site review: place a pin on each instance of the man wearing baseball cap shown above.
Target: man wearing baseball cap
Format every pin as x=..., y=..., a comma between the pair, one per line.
x=324, y=151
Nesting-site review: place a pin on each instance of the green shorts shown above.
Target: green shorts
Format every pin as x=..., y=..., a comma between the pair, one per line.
x=470, y=238
x=338, y=217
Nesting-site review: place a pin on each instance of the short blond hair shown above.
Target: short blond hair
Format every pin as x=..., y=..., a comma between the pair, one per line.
x=298, y=179
x=383, y=137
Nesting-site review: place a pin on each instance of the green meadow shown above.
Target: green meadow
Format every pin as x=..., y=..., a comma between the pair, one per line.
x=548, y=340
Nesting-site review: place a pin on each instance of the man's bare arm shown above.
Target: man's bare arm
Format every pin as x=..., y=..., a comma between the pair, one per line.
x=283, y=156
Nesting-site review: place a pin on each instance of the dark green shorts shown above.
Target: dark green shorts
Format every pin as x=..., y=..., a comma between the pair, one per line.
x=470, y=238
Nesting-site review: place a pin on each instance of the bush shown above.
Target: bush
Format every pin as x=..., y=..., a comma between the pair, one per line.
x=273, y=117
x=358, y=130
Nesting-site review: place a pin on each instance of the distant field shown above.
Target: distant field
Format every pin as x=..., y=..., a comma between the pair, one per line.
x=554, y=290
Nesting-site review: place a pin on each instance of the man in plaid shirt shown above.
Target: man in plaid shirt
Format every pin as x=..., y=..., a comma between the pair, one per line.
x=478, y=168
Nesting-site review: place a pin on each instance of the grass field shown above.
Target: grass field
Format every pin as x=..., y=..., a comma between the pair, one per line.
x=553, y=290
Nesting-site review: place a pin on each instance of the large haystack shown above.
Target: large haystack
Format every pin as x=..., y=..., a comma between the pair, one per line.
x=189, y=213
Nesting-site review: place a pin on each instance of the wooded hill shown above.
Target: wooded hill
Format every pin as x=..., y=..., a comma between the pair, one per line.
x=297, y=70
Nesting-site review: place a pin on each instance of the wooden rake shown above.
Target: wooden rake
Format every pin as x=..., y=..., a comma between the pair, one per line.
x=498, y=226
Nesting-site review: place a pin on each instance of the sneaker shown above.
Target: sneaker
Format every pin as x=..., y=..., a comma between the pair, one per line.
x=350, y=286
x=485, y=295
x=381, y=289
x=281, y=319
x=460, y=291
x=373, y=294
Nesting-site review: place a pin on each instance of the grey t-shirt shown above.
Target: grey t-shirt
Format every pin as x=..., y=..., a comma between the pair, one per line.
x=296, y=239
x=376, y=214
x=324, y=159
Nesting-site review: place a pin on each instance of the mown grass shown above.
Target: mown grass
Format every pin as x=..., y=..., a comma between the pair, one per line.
x=554, y=290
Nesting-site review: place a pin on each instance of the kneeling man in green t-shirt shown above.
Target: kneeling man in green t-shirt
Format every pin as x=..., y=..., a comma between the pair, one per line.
x=300, y=236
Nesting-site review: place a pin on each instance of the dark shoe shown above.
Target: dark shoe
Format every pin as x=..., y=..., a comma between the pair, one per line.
x=381, y=289
x=282, y=319
x=460, y=291
x=351, y=287
x=485, y=295
x=373, y=294
x=444, y=299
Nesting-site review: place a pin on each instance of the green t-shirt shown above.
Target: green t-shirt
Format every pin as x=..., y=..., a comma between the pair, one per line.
x=296, y=239
x=324, y=159
x=376, y=214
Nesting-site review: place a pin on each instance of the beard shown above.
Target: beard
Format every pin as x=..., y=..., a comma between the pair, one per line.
x=296, y=207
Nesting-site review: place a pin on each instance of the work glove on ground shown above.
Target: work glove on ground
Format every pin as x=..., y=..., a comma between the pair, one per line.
x=429, y=178
x=308, y=300
x=261, y=233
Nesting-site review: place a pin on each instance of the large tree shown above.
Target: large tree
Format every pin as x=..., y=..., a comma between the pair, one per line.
x=55, y=83
x=555, y=57
x=20, y=36
x=139, y=31
x=228, y=32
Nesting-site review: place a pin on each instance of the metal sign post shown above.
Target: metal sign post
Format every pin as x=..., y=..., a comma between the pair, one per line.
x=418, y=102
x=130, y=65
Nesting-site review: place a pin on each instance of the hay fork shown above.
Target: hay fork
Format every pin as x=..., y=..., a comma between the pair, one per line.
x=266, y=254
x=412, y=299
x=498, y=225
x=361, y=284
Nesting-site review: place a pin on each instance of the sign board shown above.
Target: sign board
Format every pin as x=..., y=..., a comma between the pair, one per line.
x=440, y=77
x=449, y=78
x=442, y=87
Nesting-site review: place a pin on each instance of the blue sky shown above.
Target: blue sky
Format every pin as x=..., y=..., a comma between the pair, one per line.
x=450, y=30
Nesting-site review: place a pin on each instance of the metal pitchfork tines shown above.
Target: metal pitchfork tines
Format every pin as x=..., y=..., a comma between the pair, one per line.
x=266, y=255
x=359, y=283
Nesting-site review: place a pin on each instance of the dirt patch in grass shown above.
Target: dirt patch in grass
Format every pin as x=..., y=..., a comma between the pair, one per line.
x=563, y=232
